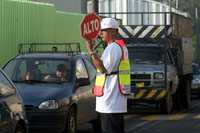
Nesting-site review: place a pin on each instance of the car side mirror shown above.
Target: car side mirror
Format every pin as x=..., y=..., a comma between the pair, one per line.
x=6, y=91
x=83, y=81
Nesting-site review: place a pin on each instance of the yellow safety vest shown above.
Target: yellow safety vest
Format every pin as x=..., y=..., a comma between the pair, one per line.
x=123, y=72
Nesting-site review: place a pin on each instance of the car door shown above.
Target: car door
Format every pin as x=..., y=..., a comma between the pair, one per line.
x=83, y=93
x=92, y=76
x=7, y=97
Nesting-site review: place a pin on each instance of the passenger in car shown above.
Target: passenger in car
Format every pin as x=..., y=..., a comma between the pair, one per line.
x=33, y=73
x=61, y=72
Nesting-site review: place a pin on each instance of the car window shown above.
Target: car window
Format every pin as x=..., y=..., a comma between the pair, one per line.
x=5, y=86
x=41, y=70
x=91, y=68
x=55, y=68
x=10, y=68
x=81, y=71
x=21, y=71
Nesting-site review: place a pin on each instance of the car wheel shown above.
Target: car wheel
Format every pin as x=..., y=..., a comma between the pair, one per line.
x=71, y=123
x=19, y=129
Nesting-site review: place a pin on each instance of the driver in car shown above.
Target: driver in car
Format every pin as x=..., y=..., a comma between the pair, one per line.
x=60, y=74
x=33, y=74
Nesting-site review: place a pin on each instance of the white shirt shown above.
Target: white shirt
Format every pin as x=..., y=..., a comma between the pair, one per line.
x=112, y=101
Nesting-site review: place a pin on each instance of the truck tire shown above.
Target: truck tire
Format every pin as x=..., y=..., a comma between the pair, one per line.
x=186, y=95
x=177, y=98
x=166, y=104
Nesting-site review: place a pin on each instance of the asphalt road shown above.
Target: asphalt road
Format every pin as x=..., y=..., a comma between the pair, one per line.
x=146, y=119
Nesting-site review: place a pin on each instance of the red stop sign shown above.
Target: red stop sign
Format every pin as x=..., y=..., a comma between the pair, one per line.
x=90, y=26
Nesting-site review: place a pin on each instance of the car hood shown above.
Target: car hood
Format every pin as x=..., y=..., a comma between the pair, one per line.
x=34, y=94
x=147, y=68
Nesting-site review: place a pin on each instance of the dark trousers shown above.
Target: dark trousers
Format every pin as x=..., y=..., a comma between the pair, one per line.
x=112, y=122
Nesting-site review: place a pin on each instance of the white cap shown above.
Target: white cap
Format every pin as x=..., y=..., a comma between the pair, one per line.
x=109, y=23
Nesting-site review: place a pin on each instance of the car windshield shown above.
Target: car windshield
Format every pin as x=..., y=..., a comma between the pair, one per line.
x=39, y=70
x=146, y=54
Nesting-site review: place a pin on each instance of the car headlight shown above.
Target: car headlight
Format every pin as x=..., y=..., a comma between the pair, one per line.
x=158, y=75
x=50, y=104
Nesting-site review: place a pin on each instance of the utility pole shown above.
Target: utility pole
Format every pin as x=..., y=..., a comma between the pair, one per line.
x=92, y=6
x=170, y=11
x=170, y=6
x=177, y=4
x=96, y=6
x=197, y=33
